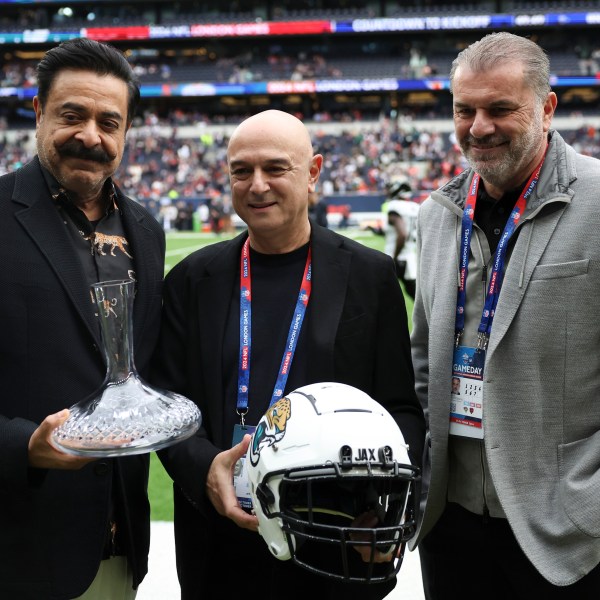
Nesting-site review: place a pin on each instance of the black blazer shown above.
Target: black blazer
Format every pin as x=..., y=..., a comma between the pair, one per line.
x=54, y=522
x=358, y=335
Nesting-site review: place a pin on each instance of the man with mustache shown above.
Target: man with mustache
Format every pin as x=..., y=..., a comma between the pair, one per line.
x=72, y=527
x=507, y=309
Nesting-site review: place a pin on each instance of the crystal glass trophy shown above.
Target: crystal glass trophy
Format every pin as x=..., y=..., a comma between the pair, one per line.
x=127, y=415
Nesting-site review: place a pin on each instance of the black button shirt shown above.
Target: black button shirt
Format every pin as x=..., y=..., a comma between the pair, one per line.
x=491, y=215
x=101, y=246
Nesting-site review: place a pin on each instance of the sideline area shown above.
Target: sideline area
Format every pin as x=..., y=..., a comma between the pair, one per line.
x=161, y=581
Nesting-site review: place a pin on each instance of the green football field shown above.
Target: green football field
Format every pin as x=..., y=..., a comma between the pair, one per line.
x=179, y=245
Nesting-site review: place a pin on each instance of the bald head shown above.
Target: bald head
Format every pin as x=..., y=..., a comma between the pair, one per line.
x=272, y=172
x=276, y=127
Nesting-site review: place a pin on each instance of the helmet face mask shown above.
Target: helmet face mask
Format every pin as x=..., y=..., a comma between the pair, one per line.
x=399, y=190
x=335, y=478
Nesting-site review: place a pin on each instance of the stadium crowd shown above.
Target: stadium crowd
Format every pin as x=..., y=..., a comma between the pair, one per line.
x=410, y=59
x=172, y=175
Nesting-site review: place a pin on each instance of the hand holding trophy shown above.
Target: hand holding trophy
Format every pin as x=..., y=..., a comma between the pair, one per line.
x=126, y=416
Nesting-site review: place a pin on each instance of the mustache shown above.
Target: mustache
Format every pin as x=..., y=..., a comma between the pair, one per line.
x=75, y=149
x=488, y=140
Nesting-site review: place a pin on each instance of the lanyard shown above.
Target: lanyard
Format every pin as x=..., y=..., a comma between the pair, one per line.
x=246, y=331
x=497, y=273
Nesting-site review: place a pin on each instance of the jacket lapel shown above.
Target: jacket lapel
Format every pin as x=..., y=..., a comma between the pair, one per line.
x=529, y=249
x=41, y=220
x=330, y=271
x=141, y=240
x=217, y=287
x=441, y=331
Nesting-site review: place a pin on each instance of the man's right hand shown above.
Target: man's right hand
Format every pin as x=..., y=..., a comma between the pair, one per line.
x=43, y=455
x=220, y=490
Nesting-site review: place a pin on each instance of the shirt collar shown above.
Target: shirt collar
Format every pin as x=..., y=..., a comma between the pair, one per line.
x=61, y=196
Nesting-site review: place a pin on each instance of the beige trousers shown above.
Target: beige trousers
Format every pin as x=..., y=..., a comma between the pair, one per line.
x=113, y=580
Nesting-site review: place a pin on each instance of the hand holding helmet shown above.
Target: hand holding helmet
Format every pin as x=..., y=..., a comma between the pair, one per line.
x=219, y=487
x=368, y=521
x=329, y=474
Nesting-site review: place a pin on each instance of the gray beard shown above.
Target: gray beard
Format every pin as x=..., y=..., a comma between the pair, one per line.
x=502, y=170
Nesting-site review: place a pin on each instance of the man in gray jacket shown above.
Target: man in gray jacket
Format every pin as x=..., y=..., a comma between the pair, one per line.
x=507, y=304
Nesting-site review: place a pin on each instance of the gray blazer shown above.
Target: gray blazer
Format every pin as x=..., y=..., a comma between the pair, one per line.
x=542, y=373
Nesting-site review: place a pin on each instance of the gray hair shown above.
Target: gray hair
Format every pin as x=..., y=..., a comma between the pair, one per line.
x=498, y=48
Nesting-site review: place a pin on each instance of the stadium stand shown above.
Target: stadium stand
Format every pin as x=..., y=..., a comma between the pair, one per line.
x=370, y=77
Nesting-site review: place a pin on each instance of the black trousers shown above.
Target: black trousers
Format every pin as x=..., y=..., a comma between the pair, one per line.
x=217, y=560
x=469, y=557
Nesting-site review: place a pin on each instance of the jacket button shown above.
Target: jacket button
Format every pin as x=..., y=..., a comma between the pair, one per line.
x=101, y=469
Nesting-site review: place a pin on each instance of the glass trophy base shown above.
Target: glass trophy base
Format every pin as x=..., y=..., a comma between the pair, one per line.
x=126, y=418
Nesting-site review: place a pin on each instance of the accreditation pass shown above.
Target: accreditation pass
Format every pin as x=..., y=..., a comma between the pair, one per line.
x=466, y=404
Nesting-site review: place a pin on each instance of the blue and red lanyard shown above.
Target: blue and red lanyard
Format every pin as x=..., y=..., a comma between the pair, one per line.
x=497, y=273
x=246, y=331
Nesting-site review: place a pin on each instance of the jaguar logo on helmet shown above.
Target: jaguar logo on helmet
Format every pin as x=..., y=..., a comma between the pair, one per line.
x=271, y=428
x=332, y=484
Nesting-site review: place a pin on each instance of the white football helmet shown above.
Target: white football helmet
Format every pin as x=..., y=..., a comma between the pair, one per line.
x=321, y=458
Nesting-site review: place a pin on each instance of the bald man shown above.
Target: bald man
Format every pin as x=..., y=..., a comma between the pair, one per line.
x=353, y=330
